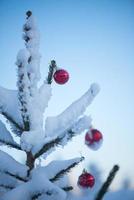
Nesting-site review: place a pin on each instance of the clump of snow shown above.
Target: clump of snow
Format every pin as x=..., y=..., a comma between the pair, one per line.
x=31, y=23
x=5, y=135
x=30, y=138
x=11, y=108
x=67, y=118
x=94, y=89
x=38, y=104
x=7, y=180
x=79, y=127
x=55, y=167
x=23, y=83
x=22, y=57
x=82, y=124
x=32, y=46
x=10, y=165
x=39, y=184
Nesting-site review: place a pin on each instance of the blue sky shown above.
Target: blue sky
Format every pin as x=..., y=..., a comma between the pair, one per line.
x=94, y=41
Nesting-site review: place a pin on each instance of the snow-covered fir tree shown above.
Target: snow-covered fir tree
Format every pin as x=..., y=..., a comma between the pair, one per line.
x=24, y=109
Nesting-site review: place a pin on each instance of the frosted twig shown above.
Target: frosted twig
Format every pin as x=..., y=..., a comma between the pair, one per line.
x=12, y=121
x=15, y=176
x=48, y=146
x=66, y=170
x=55, y=142
x=66, y=189
x=52, y=67
x=70, y=115
x=13, y=145
x=7, y=186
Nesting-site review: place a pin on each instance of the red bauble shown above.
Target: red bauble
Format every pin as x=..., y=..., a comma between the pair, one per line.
x=61, y=76
x=94, y=139
x=86, y=180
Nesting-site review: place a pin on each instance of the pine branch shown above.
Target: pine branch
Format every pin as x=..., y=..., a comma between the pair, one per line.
x=34, y=197
x=66, y=189
x=52, y=67
x=48, y=146
x=15, y=176
x=12, y=121
x=27, y=39
x=70, y=134
x=13, y=145
x=72, y=113
x=57, y=141
x=78, y=127
x=7, y=186
x=26, y=28
x=107, y=183
x=22, y=88
x=64, y=171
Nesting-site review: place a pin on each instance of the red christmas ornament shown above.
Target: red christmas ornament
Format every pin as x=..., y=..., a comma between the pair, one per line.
x=61, y=76
x=86, y=180
x=93, y=139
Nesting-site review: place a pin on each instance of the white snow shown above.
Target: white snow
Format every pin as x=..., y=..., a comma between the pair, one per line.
x=22, y=57
x=38, y=184
x=10, y=165
x=82, y=124
x=7, y=180
x=23, y=83
x=54, y=167
x=37, y=106
x=5, y=135
x=32, y=46
x=78, y=127
x=66, y=119
x=9, y=104
x=30, y=138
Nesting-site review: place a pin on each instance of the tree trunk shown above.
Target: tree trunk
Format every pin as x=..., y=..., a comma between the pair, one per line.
x=30, y=161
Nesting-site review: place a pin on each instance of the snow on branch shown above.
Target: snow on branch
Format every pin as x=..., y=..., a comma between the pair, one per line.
x=38, y=105
x=66, y=189
x=38, y=186
x=16, y=128
x=23, y=86
x=10, y=109
x=7, y=181
x=11, y=167
x=67, y=118
x=49, y=143
x=57, y=168
x=66, y=167
x=6, y=138
x=32, y=40
x=6, y=186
